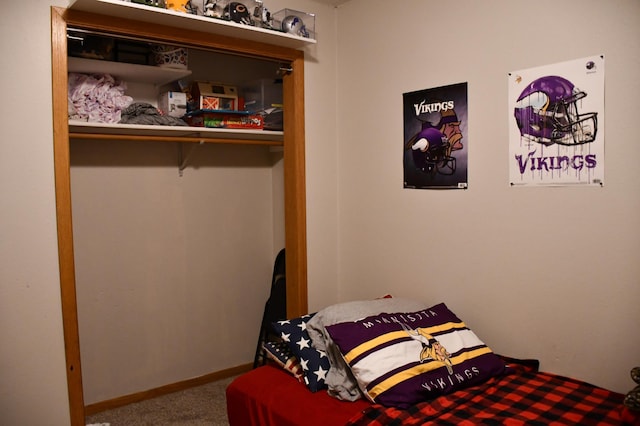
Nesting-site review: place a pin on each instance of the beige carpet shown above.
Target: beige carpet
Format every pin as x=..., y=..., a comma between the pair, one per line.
x=198, y=406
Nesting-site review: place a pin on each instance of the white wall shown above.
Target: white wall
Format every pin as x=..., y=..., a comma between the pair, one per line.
x=567, y=297
x=33, y=387
x=32, y=354
x=321, y=156
x=164, y=263
x=555, y=305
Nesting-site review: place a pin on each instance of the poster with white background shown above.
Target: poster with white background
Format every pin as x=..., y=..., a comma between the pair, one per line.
x=556, y=124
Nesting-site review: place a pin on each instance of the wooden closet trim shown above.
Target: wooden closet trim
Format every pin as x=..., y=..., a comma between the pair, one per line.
x=294, y=162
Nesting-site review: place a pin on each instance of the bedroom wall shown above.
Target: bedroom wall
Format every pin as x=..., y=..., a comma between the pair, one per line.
x=547, y=273
x=33, y=388
x=32, y=354
x=548, y=310
x=164, y=262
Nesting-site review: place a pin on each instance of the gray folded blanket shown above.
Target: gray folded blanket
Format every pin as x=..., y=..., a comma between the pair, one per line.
x=144, y=113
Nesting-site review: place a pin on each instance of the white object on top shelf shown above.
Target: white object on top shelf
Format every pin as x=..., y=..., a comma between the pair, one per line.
x=127, y=72
x=156, y=15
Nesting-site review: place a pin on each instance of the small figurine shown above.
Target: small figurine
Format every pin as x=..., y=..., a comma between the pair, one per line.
x=212, y=10
x=191, y=8
x=263, y=15
x=177, y=5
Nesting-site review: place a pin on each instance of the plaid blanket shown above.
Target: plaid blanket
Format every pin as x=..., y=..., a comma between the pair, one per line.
x=523, y=397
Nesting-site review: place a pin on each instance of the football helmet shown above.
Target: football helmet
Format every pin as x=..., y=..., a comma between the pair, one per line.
x=431, y=152
x=293, y=25
x=238, y=12
x=547, y=112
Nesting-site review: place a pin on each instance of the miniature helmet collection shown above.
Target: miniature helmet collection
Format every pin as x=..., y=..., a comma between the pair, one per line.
x=247, y=12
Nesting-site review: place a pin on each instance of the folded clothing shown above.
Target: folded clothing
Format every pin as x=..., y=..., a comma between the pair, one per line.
x=96, y=98
x=144, y=113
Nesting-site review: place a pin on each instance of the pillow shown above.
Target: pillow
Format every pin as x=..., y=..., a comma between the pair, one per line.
x=400, y=359
x=315, y=363
x=340, y=380
x=280, y=353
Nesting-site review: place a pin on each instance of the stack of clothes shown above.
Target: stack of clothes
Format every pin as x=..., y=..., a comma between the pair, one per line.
x=100, y=98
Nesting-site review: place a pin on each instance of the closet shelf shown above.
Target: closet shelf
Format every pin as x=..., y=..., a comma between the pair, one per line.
x=127, y=72
x=138, y=132
x=155, y=15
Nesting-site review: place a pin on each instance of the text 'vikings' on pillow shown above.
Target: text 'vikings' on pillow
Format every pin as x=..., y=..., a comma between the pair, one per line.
x=400, y=359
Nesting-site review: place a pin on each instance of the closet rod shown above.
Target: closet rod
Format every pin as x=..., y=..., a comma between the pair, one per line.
x=199, y=139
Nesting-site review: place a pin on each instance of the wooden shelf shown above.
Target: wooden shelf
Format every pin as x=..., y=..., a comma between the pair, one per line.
x=114, y=131
x=155, y=15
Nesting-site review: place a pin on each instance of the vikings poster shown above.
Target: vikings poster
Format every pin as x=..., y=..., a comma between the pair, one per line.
x=556, y=124
x=435, y=137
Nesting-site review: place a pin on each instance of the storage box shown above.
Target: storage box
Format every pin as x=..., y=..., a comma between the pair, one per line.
x=169, y=56
x=214, y=96
x=264, y=97
x=90, y=46
x=133, y=52
x=295, y=22
x=228, y=120
x=173, y=104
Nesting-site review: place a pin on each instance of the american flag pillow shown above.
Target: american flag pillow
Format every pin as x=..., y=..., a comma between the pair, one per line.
x=280, y=353
x=314, y=363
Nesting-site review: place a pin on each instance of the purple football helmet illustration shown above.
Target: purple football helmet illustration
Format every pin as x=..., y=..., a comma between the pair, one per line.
x=547, y=112
x=432, y=152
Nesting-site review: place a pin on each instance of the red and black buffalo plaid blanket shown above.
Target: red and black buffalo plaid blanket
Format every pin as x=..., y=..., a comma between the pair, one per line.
x=523, y=397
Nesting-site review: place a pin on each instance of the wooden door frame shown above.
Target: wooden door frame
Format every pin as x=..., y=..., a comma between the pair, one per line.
x=294, y=162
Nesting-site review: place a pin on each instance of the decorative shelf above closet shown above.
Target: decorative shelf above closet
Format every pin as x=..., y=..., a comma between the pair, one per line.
x=155, y=15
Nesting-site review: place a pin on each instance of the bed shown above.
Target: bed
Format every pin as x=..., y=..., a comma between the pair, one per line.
x=373, y=383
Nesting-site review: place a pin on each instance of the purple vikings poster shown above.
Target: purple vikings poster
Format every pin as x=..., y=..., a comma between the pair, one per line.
x=556, y=124
x=436, y=137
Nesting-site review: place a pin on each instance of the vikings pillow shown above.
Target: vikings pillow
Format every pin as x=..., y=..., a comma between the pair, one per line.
x=401, y=359
x=315, y=363
x=340, y=382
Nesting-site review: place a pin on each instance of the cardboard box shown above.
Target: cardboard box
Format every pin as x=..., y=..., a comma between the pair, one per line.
x=173, y=104
x=214, y=96
x=225, y=120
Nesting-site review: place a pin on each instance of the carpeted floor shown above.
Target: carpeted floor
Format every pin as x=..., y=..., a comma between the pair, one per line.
x=198, y=406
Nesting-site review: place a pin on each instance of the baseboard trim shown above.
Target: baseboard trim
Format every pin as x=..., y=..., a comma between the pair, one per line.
x=163, y=390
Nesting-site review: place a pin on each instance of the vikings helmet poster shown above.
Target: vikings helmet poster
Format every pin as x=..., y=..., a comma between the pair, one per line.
x=556, y=124
x=435, y=137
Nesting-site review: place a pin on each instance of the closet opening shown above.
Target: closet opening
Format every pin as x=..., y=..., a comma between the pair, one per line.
x=150, y=258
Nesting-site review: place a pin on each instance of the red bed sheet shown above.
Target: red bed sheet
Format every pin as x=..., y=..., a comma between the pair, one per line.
x=269, y=396
x=522, y=398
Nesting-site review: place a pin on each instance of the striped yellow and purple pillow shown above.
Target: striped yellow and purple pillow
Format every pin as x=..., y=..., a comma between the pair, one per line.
x=400, y=359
